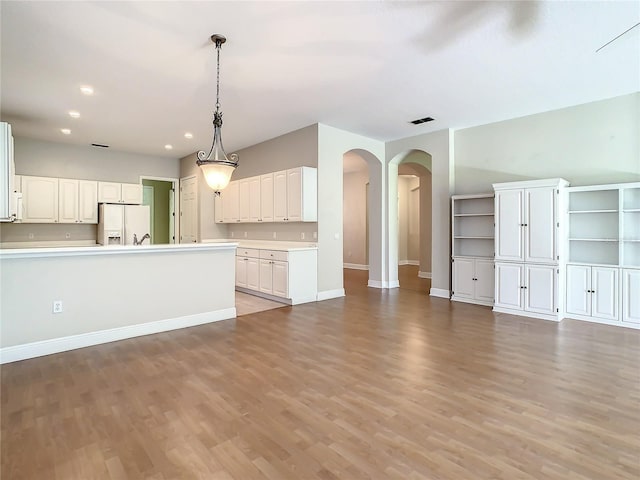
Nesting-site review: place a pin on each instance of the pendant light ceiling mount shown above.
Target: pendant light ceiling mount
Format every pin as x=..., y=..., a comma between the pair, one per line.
x=216, y=166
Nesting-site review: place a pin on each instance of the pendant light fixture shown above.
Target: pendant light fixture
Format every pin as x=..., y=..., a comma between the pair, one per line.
x=216, y=166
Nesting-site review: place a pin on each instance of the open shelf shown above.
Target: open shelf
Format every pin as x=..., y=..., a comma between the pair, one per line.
x=631, y=198
x=473, y=226
x=590, y=200
x=473, y=214
x=593, y=211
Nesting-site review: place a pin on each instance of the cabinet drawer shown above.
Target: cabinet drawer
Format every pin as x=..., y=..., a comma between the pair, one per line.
x=248, y=252
x=274, y=255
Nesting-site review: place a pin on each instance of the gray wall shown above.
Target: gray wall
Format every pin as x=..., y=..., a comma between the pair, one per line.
x=354, y=207
x=50, y=159
x=588, y=144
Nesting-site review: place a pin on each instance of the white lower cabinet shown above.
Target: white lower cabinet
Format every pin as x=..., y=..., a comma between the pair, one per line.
x=631, y=296
x=473, y=280
x=592, y=292
x=287, y=276
x=526, y=289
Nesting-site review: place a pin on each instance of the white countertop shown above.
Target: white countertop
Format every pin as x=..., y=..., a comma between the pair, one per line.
x=112, y=250
x=266, y=244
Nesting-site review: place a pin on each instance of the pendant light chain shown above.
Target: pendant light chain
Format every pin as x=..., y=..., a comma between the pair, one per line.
x=218, y=48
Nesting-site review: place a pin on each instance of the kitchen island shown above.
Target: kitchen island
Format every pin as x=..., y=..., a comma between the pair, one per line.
x=109, y=293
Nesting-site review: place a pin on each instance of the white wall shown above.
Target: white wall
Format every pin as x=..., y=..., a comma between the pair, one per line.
x=440, y=146
x=403, y=219
x=106, y=291
x=588, y=144
x=333, y=143
x=354, y=208
x=49, y=159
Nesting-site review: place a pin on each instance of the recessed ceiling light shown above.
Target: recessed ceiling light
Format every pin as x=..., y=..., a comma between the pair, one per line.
x=86, y=89
x=168, y=147
x=65, y=131
x=188, y=135
x=74, y=114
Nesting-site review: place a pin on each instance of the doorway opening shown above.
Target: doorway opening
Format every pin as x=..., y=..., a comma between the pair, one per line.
x=159, y=194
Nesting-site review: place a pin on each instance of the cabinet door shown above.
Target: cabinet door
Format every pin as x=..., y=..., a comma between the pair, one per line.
x=485, y=280
x=87, y=201
x=540, y=289
x=294, y=195
x=540, y=225
x=604, y=292
x=39, y=199
x=254, y=199
x=463, y=277
x=509, y=225
x=253, y=274
x=230, y=205
x=280, y=196
x=631, y=296
x=217, y=208
x=109, y=192
x=243, y=200
x=281, y=279
x=266, y=198
x=509, y=285
x=266, y=277
x=132, y=193
x=67, y=200
x=241, y=271
x=579, y=289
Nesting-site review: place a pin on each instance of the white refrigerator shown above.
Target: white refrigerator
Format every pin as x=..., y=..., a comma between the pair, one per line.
x=121, y=224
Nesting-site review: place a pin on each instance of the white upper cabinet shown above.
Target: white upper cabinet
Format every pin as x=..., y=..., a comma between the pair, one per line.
x=527, y=221
x=230, y=203
x=126, y=193
x=266, y=197
x=217, y=208
x=40, y=199
x=302, y=194
x=67, y=200
x=509, y=225
x=132, y=193
x=280, y=196
x=255, y=194
x=109, y=192
x=243, y=200
x=87, y=201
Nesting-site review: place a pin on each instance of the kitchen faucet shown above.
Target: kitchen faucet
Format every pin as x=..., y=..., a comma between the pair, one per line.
x=145, y=236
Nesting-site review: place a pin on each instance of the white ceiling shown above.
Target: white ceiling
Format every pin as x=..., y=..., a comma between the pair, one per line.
x=366, y=67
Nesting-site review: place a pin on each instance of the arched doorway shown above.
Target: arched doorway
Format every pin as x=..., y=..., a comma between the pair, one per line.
x=409, y=175
x=362, y=229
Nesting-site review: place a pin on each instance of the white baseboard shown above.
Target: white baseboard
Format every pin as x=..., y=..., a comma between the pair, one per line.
x=383, y=284
x=408, y=262
x=63, y=344
x=424, y=274
x=393, y=284
x=329, y=294
x=355, y=266
x=439, y=292
x=522, y=313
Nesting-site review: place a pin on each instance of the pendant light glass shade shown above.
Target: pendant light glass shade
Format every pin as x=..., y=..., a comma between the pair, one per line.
x=216, y=166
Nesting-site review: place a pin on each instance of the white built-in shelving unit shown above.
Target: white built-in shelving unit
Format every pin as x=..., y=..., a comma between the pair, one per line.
x=472, y=248
x=603, y=244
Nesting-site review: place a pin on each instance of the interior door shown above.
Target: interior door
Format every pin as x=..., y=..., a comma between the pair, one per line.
x=189, y=209
x=148, y=199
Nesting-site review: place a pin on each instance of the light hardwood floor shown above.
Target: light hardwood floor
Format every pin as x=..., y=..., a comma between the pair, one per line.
x=376, y=385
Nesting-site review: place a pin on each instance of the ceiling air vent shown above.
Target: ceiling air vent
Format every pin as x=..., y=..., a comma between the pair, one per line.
x=99, y=145
x=421, y=120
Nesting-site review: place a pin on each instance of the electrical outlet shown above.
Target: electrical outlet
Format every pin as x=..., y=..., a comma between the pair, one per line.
x=245, y=234
x=274, y=234
x=57, y=306
x=315, y=235
x=67, y=235
x=31, y=236
x=302, y=236
x=233, y=234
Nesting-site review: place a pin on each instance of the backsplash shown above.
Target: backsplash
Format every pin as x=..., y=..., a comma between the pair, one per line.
x=290, y=232
x=46, y=232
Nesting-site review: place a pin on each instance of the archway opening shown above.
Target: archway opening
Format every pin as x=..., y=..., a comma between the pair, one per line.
x=362, y=247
